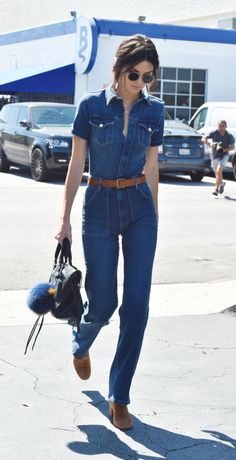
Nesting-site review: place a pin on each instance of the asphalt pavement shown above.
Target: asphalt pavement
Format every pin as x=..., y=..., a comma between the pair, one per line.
x=183, y=398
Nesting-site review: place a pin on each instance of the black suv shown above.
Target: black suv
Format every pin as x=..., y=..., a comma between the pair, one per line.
x=36, y=135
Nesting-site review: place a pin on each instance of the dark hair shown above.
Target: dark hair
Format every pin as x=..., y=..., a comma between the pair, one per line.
x=132, y=51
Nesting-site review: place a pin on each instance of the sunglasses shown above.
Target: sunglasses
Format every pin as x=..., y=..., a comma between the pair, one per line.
x=133, y=76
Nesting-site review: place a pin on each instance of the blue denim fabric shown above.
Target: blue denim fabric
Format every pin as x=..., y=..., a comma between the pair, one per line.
x=100, y=120
x=110, y=215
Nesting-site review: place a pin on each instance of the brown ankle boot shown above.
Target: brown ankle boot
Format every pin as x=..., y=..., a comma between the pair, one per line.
x=82, y=366
x=121, y=418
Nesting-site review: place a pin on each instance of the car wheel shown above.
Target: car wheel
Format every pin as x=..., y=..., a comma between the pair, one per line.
x=39, y=170
x=4, y=163
x=234, y=170
x=196, y=176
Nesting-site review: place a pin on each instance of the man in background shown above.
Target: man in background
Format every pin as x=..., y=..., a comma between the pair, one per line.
x=221, y=143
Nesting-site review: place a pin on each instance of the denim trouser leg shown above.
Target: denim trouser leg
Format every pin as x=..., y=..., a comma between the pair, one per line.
x=139, y=243
x=108, y=213
x=101, y=257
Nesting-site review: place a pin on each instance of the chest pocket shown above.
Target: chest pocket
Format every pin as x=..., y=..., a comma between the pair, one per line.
x=102, y=130
x=145, y=132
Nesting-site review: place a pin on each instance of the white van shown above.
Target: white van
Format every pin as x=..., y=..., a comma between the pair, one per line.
x=206, y=118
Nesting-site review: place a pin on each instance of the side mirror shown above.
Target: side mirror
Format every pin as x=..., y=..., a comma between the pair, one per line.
x=25, y=124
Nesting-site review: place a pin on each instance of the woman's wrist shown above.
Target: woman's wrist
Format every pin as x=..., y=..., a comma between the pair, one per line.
x=65, y=219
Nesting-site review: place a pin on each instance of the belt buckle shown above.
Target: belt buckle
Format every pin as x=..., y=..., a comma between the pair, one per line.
x=118, y=185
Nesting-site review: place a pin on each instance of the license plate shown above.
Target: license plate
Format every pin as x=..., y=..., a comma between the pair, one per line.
x=184, y=151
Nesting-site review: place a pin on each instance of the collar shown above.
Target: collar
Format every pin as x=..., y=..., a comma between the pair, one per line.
x=110, y=94
x=222, y=134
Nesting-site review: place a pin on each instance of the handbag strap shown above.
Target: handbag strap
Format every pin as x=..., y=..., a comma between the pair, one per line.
x=63, y=252
x=33, y=331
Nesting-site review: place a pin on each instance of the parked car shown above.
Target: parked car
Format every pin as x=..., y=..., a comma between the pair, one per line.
x=36, y=135
x=206, y=118
x=183, y=152
x=231, y=164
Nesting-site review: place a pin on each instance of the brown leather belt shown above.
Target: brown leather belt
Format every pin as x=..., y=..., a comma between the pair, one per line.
x=117, y=183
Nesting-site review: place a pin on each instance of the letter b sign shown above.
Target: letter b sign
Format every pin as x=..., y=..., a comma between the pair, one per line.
x=86, y=44
x=83, y=42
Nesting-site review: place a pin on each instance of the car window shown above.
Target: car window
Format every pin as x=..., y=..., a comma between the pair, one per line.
x=4, y=114
x=199, y=121
x=23, y=114
x=52, y=116
x=13, y=114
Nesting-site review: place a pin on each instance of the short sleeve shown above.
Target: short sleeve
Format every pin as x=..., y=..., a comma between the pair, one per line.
x=211, y=134
x=231, y=139
x=157, y=137
x=81, y=121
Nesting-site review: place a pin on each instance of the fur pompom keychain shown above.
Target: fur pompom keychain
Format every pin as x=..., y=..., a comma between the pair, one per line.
x=41, y=298
x=60, y=296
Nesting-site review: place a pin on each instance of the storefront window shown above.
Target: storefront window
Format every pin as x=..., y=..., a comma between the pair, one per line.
x=184, y=74
x=169, y=87
x=198, y=88
x=169, y=99
x=183, y=90
x=199, y=75
x=169, y=73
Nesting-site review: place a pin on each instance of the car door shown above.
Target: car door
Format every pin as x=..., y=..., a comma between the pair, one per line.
x=10, y=114
x=22, y=136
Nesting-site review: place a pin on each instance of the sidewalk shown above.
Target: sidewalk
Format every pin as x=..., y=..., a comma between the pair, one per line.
x=183, y=398
x=165, y=300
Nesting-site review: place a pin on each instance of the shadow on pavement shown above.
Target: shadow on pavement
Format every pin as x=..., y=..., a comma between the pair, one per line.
x=24, y=173
x=182, y=180
x=57, y=178
x=227, y=197
x=161, y=443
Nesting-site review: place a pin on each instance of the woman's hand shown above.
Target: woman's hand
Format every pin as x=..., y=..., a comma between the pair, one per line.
x=65, y=231
x=73, y=179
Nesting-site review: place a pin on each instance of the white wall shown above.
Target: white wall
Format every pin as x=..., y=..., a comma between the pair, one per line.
x=58, y=51
x=218, y=59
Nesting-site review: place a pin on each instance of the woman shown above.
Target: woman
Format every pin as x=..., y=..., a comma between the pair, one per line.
x=122, y=126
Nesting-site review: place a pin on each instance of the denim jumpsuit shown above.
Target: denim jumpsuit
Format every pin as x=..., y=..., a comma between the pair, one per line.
x=112, y=212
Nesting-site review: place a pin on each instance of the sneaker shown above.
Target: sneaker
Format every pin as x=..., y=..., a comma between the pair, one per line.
x=215, y=192
x=222, y=186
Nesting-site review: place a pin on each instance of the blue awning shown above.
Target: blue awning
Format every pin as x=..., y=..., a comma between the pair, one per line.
x=43, y=79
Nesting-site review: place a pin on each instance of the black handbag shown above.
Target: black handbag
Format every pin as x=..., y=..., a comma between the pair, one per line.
x=66, y=281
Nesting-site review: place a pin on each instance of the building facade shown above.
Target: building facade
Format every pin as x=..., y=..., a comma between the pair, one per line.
x=61, y=61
